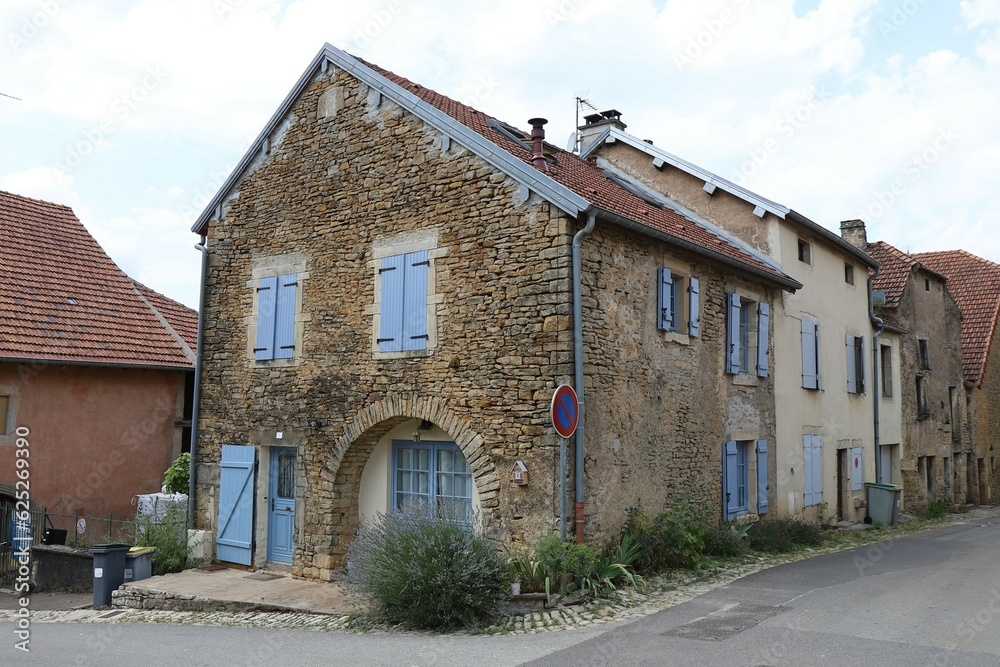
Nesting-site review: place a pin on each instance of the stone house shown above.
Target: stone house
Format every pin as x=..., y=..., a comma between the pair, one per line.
x=95, y=369
x=974, y=283
x=397, y=283
x=822, y=332
x=936, y=440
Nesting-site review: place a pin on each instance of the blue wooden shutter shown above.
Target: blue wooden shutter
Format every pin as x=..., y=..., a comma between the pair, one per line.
x=817, y=471
x=390, y=333
x=415, y=300
x=665, y=312
x=762, y=477
x=852, y=365
x=733, y=334
x=807, y=475
x=763, y=325
x=234, y=543
x=809, y=379
x=267, y=289
x=694, y=307
x=819, y=357
x=730, y=480
x=284, y=324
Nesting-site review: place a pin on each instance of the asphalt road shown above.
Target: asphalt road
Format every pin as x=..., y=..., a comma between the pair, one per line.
x=929, y=599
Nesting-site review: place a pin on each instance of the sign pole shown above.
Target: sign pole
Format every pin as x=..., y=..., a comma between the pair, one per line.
x=565, y=413
x=562, y=488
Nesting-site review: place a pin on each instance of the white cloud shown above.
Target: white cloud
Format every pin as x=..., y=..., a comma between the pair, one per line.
x=200, y=78
x=46, y=183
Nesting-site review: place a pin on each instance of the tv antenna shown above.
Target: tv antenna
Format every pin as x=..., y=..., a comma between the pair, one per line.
x=581, y=101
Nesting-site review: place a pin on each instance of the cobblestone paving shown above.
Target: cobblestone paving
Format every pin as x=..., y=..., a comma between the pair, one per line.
x=662, y=594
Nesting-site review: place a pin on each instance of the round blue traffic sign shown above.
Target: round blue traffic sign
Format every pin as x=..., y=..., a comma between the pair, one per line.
x=565, y=410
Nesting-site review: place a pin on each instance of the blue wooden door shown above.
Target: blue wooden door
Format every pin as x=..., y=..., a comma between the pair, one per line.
x=234, y=543
x=281, y=501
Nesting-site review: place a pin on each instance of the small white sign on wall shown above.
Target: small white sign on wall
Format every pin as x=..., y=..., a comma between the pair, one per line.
x=857, y=469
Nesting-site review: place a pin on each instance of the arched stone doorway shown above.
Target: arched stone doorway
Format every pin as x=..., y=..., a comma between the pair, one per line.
x=335, y=513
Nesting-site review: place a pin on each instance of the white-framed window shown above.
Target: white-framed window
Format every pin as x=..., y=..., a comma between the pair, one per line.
x=434, y=476
x=747, y=327
x=678, y=299
x=812, y=469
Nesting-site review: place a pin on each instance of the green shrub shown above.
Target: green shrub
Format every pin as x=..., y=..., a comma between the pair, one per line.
x=177, y=475
x=936, y=510
x=429, y=573
x=169, y=535
x=613, y=569
x=782, y=535
x=671, y=539
x=726, y=540
x=557, y=564
x=552, y=563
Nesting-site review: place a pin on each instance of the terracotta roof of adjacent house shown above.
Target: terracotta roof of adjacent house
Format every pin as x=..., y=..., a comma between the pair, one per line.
x=974, y=283
x=895, y=271
x=63, y=299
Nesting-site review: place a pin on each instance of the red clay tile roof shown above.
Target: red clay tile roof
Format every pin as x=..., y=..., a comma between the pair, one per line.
x=584, y=178
x=63, y=299
x=896, y=267
x=974, y=283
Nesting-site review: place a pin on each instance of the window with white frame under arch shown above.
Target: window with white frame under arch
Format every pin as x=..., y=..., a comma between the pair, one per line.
x=432, y=475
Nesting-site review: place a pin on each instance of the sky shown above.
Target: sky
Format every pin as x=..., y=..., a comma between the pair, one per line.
x=134, y=113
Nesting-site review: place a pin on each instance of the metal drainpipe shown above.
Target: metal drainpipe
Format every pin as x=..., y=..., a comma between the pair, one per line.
x=196, y=399
x=876, y=395
x=578, y=371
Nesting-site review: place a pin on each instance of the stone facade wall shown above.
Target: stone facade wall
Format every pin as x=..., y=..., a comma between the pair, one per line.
x=352, y=169
x=932, y=315
x=659, y=406
x=984, y=412
x=348, y=173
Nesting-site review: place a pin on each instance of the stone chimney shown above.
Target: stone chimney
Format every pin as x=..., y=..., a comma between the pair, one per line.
x=597, y=123
x=853, y=231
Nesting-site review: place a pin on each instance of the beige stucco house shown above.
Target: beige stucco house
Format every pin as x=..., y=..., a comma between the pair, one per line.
x=822, y=332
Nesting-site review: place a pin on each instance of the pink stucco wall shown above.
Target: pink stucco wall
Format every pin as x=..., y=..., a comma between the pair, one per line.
x=98, y=436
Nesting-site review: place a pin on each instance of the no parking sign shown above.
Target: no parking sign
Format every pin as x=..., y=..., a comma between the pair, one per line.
x=565, y=410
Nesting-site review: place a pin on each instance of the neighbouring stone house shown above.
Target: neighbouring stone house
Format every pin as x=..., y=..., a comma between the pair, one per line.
x=974, y=283
x=936, y=441
x=390, y=305
x=94, y=369
x=822, y=332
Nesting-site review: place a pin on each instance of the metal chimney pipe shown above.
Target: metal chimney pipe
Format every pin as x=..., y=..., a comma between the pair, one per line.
x=537, y=139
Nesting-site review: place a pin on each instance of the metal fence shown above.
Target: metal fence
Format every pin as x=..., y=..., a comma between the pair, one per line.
x=14, y=532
